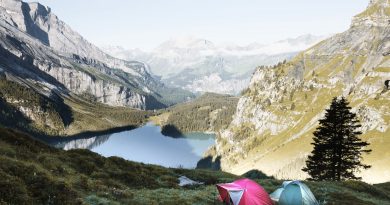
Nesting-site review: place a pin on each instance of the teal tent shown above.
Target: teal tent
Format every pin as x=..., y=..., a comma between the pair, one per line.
x=294, y=193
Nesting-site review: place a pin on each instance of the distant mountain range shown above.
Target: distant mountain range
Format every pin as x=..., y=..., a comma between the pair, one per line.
x=199, y=65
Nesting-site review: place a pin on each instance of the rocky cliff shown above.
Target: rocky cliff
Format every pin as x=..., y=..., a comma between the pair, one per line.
x=41, y=51
x=275, y=118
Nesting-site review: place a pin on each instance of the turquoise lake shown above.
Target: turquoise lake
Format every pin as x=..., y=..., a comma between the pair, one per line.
x=145, y=144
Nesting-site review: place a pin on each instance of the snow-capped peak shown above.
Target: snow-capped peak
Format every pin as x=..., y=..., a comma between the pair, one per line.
x=186, y=42
x=193, y=63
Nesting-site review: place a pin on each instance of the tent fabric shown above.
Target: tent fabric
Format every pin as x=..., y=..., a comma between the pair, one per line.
x=291, y=195
x=243, y=192
x=185, y=181
x=235, y=195
x=294, y=193
x=285, y=183
x=276, y=194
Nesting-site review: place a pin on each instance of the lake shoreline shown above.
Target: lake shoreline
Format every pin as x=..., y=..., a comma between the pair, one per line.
x=144, y=144
x=88, y=134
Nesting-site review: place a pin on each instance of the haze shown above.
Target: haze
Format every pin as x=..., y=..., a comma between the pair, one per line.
x=147, y=23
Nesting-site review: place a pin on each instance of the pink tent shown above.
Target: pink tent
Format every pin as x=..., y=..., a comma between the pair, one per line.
x=243, y=192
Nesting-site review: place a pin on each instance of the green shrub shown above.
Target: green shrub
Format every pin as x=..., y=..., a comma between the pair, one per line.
x=256, y=174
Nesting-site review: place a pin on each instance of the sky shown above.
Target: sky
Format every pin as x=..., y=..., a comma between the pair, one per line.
x=145, y=24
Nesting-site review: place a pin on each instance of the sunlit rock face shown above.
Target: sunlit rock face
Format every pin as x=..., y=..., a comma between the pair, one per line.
x=39, y=49
x=272, y=128
x=377, y=15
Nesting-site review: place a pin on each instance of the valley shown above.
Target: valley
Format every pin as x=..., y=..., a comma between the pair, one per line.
x=81, y=124
x=40, y=51
x=199, y=65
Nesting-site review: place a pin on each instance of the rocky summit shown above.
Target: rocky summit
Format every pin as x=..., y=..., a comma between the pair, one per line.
x=40, y=51
x=275, y=119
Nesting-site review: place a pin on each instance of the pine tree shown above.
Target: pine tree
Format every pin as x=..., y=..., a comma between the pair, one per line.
x=337, y=148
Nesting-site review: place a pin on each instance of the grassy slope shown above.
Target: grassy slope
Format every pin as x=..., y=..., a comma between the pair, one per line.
x=99, y=117
x=63, y=116
x=73, y=115
x=287, y=156
x=287, y=150
x=210, y=112
x=33, y=173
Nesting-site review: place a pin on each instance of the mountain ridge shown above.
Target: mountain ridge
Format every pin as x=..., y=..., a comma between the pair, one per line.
x=275, y=118
x=31, y=31
x=191, y=62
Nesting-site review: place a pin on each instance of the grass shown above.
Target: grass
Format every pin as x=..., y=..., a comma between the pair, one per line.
x=25, y=109
x=374, y=9
x=89, y=116
x=295, y=107
x=210, y=112
x=50, y=115
x=34, y=173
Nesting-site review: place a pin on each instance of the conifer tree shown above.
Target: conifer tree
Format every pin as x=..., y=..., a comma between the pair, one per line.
x=337, y=148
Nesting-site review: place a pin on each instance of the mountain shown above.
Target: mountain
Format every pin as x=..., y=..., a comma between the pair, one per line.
x=276, y=116
x=199, y=65
x=40, y=51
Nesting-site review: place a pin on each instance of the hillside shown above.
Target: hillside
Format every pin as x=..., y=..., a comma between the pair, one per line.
x=207, y=113
x=25, y=109
x=40, y=51
x=272, y=128
x=34, y=173
x=55, y=83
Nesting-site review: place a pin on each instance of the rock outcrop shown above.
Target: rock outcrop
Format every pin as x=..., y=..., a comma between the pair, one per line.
x=273, y=125
x=43, y=52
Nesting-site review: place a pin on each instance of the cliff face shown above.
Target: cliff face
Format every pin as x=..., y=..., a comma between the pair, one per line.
x=273, y=125
x=42, y=51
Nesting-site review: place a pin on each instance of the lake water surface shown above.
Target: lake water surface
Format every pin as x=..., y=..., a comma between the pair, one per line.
x=145, y=144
